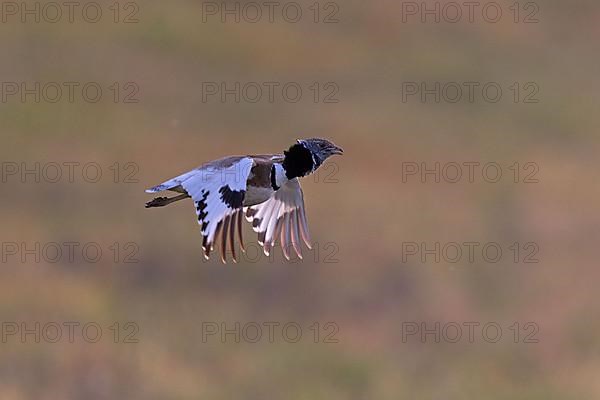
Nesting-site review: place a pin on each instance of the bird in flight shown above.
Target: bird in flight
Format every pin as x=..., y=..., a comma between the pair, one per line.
x=263, y=187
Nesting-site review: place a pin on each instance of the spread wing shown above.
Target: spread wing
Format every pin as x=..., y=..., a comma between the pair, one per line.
x=281, y=217
x=218, y=190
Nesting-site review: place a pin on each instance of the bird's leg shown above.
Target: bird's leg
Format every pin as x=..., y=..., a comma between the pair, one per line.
x=163, y=201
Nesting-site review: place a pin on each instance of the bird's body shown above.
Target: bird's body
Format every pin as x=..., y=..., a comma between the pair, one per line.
x=264, y=187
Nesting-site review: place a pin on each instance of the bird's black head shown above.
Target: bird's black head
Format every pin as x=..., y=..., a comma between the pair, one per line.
x=321, y=149
x=307, y=155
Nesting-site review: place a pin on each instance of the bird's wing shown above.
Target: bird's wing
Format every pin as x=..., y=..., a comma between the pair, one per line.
x=281, y=217
x=218, y=189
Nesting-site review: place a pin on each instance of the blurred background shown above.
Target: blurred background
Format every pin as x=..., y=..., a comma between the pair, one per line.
x=149, y=318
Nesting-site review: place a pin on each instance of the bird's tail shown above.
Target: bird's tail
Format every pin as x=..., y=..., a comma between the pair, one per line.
x=163, y=201
x=157, y=202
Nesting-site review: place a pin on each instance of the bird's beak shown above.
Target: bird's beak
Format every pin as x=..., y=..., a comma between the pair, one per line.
x=338, y=150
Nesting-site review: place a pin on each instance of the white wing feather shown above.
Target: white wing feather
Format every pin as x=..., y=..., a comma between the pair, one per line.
x=281, y=217
x=210, y=186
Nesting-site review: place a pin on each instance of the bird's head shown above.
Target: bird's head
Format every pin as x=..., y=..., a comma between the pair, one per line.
x=321, y=149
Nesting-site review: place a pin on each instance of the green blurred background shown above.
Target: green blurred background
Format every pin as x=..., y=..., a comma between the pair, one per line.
x=366, y=210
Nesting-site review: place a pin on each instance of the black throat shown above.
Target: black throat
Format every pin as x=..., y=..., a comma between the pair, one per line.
x=298, y=161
